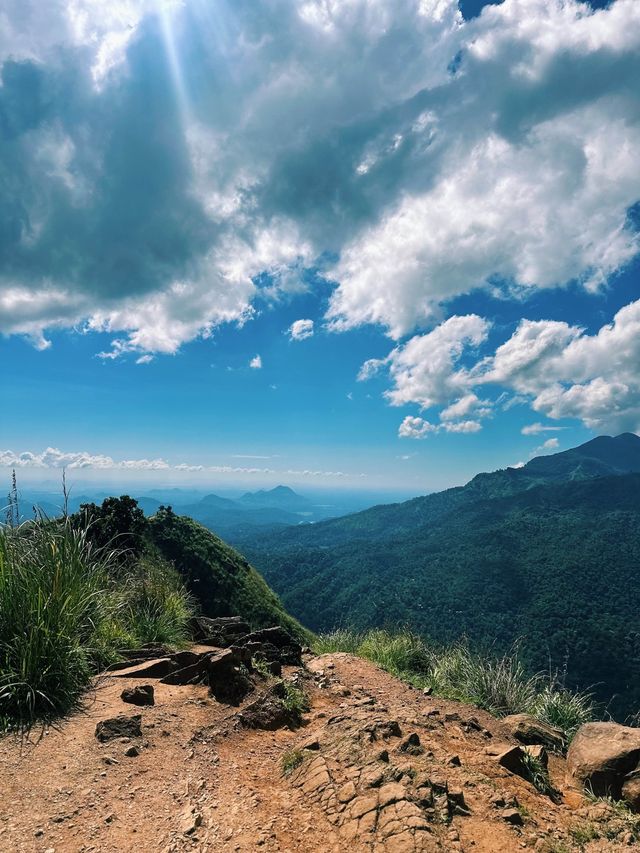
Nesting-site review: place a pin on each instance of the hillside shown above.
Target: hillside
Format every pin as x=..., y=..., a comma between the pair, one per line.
x=548, y=553
x=221, y=580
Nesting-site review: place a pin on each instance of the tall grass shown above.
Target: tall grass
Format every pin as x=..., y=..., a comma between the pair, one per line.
x=65, y=611
x=51, y=606
x=500, y=685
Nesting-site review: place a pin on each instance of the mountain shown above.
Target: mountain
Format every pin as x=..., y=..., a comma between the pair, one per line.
x=282, y=497
x=547, y=554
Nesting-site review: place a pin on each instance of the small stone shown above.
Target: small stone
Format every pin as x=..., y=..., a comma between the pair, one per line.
x=512, y=816
x=132, y=752
x=141, y=694
x=454, y=761
x=428, y=691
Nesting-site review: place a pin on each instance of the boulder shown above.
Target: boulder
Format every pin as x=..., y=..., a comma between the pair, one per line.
x=528, y=730
x=601, y=755
x=142, y=694
x=119, y=727
x=160, y=667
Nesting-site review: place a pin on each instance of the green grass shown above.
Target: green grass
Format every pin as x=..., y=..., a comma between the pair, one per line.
x=295, y=700
x=66, y=608
x=500, y=685
x=538, y=775
x=290, y=760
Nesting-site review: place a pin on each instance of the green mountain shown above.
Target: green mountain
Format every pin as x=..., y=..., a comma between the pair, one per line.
x=547, y=554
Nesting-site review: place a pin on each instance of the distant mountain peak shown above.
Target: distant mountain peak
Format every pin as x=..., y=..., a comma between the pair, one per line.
x=280, y=496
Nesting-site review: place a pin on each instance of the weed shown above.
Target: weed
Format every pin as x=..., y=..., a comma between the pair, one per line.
x=291, y=759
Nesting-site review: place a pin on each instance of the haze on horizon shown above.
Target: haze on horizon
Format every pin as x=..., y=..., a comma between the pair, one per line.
x=364, y=245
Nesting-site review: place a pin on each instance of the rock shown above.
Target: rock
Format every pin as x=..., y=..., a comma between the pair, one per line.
x=528, y=730
x=132, y=752
x=601, y=755
x=311, y=743
x=227, y=680
x=454, y=761
x=160, y=667
x=512, y=816
x=221, y=631
x=507, y=756
x=119, y=727
x=139, y=695
x=428, y=691
x=631, y=790
x=289, y=651
x=268, y=711
x=411, y=745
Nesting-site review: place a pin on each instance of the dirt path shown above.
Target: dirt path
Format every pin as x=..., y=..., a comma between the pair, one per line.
x=202, y=783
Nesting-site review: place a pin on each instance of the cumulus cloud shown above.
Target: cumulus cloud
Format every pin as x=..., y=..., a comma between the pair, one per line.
x=414, y=427
x=425, y=369
x=256, y=362
x=548, y=446
x=570, y=374
x=300, y=330
x=165, y=164
x=562, y=371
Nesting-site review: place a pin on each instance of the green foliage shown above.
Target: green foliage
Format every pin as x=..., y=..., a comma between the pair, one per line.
x=507, y=556
x=51, y=605
x=295, y=700
x=66, y=607
x=220, y=580
x=565, y=709
x=538, y=775
x=118, y=524
x=290, y=760
x=500, y=685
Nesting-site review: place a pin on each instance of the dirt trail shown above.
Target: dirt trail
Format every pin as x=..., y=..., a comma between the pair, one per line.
x=203, y=783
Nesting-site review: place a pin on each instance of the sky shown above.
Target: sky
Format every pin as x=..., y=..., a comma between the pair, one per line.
x=355, y=244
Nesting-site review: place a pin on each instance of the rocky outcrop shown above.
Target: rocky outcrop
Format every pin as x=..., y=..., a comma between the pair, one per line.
x=528, y=730
x=273, y=644
x=603, y=757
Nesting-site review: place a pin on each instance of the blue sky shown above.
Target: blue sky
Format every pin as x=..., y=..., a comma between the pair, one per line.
x=365, y=245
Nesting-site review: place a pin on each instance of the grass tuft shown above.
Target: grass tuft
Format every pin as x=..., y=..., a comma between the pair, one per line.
x=291, y=760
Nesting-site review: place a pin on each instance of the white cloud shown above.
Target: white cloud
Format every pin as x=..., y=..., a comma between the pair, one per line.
x=425, y=369
x=52, y=458
x=514, y=172
x=537, y=428
x=414, y=427
x=256, y=362
x=547, y=446
x=300, y=330
x=570, y=374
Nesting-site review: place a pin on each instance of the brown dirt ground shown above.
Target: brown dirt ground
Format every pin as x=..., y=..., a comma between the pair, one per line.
x=202, y=783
